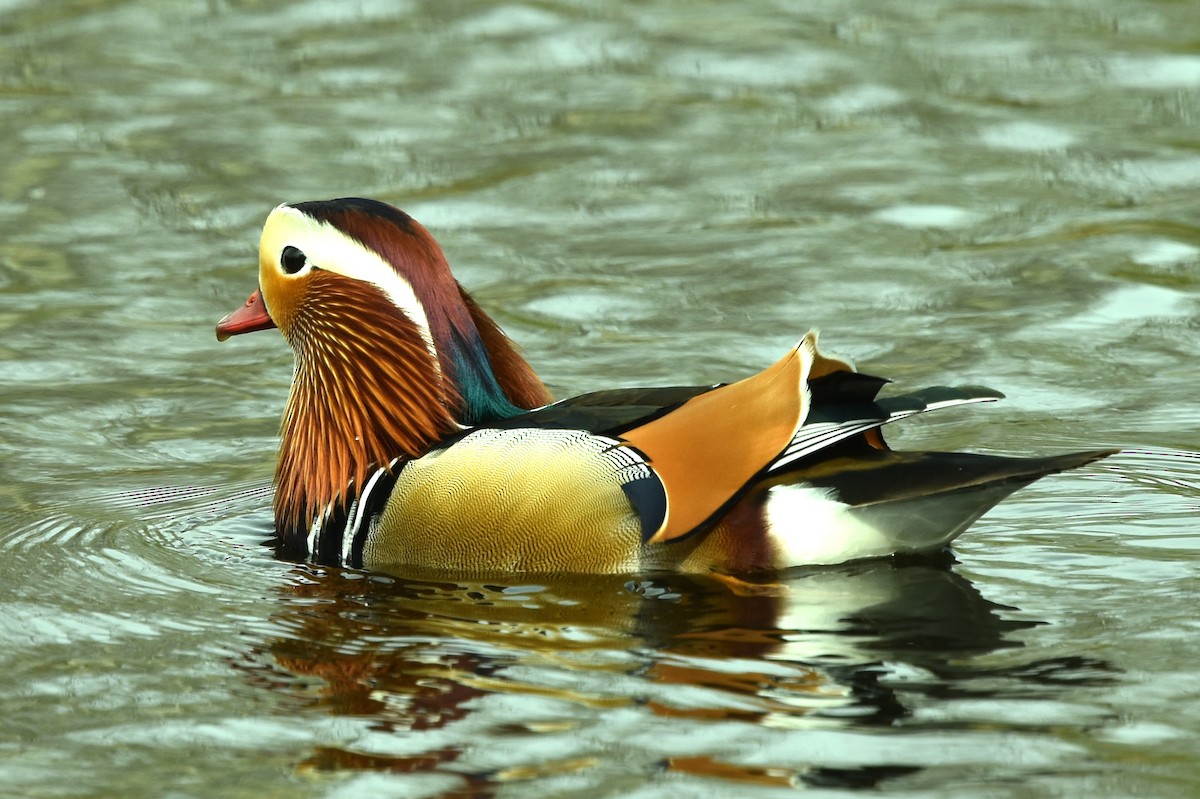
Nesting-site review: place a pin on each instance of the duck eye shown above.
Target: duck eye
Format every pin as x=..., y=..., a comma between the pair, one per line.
x=292, y=260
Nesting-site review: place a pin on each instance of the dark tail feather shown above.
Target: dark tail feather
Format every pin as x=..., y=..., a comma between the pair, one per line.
x=887, y=476
x=922, y=501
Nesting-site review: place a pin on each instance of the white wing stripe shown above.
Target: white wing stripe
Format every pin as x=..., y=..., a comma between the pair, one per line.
x=813, y=437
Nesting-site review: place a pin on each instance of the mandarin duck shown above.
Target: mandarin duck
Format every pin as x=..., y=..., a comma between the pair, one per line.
x=415, y=434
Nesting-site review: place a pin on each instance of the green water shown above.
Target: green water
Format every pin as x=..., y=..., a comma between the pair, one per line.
x=663, y=192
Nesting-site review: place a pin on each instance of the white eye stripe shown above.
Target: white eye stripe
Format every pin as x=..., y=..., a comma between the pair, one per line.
x=325, y=247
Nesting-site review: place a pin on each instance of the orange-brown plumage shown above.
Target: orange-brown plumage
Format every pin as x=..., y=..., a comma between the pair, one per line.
x=357, y=400
x=513, y=372
x=769, y=408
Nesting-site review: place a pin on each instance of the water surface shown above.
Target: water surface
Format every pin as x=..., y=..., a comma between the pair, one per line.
x=663, y=192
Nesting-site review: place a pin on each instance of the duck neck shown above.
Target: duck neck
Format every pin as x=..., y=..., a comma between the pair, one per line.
x=367, y=388
x=481, y=399
x=370, y=385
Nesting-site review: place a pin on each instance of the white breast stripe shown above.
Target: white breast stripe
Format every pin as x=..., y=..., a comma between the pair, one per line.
x=347, y=538
x=314, y=533
x=631, y=464
x=356, y=520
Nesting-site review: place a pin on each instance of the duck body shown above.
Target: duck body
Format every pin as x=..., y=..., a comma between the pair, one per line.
x=415, y=434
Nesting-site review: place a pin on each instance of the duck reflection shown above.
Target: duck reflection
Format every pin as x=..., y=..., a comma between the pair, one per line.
x=436, y=669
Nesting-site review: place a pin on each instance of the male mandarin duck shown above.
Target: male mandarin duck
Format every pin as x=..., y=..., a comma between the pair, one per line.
x=415, y=434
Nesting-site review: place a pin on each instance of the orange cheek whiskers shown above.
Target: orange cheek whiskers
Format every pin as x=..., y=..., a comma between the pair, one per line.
x=358, y=400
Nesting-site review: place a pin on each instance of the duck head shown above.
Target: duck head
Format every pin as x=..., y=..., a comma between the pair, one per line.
x=391, y=354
